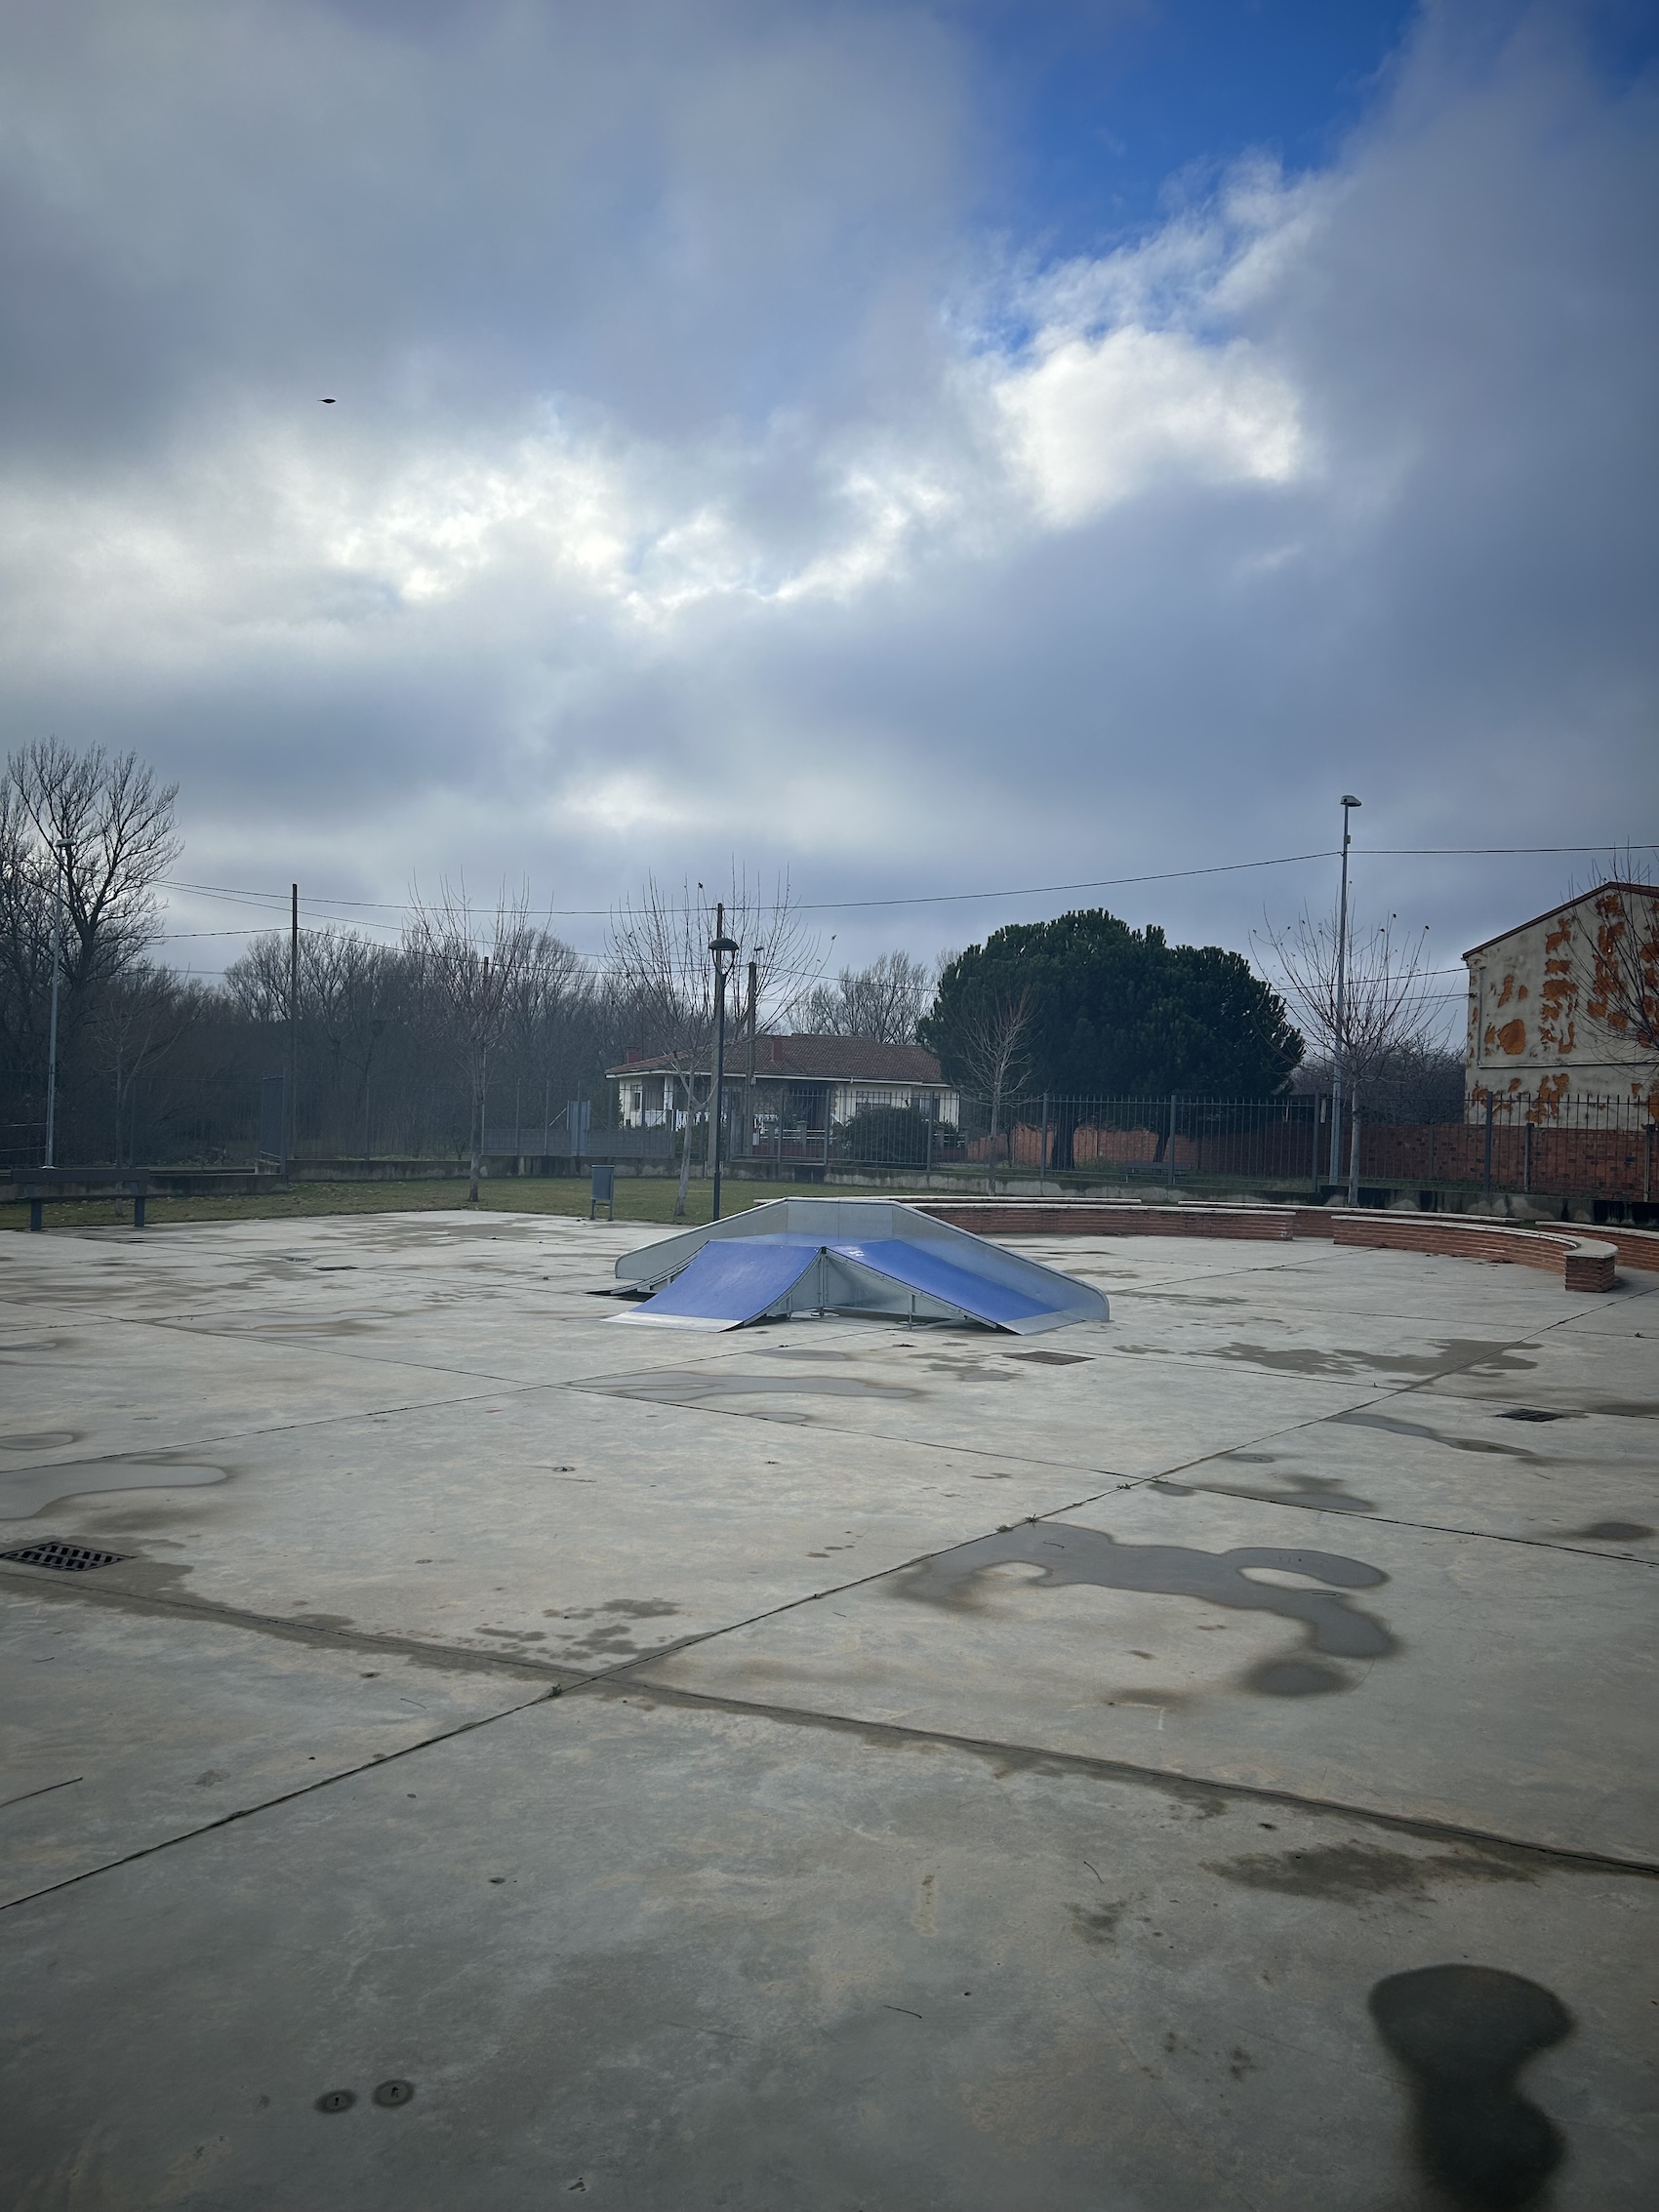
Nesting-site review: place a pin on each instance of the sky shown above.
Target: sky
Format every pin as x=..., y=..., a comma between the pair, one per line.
x=917, y=449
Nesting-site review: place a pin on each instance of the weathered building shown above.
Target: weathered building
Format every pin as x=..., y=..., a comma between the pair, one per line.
x=1562, y=1009
x=801, y=1086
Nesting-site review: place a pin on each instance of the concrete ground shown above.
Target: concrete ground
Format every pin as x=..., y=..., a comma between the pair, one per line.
x=825, y=1766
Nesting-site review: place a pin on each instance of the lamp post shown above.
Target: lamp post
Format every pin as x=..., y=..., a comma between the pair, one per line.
x=1349, y=803
x=52, y=1040
x=726, y=950
x=749, y=1080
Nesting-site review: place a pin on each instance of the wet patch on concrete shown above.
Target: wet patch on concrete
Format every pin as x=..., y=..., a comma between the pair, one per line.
x=1463, y=2034
x=1608, y=1532
x=634, y=1608
x=40, y=1440
x=1393, y=1426
x=1096, y=1924
x=1457, y=1353
x=1320, y=1493
x=696, y=1385
x=1066, y=1554
x=1296, y=1678
x=280, y=1326
x=1347, y=1872
x=28, y=1490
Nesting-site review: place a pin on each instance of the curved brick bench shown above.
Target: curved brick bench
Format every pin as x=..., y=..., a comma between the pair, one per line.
x=1584, y=1262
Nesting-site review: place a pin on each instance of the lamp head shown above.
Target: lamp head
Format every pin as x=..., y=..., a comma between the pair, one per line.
x=724, y=947
x=1349, y=800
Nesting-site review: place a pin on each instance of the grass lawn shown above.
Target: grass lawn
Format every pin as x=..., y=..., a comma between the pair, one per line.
x=639, y=1198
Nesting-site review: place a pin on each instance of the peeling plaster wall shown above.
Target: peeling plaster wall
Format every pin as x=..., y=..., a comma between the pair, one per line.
x=1541, y=1019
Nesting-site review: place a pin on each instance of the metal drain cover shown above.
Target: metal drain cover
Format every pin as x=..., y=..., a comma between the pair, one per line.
x=394, y=2092
x=67, y=1558
x=1529, y=1413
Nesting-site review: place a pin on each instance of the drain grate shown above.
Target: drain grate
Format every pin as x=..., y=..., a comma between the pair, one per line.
x=1529, y=1413
x=67, y=1558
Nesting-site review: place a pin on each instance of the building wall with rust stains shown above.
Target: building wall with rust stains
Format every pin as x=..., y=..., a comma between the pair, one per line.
x=1545, y=1010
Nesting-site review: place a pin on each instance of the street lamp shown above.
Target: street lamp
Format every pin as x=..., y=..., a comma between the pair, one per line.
x=726, y=950
x=58, y=857
x=1349, y=803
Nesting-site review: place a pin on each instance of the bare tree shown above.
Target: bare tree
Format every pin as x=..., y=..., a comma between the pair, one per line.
x=473, y=964
x=884, y=1002
x=1384, y=1008
x=1624, y=959
x=105, y=825
x=141, y=1017
x=26, y=935
x=991, y=1043
x=661, y=968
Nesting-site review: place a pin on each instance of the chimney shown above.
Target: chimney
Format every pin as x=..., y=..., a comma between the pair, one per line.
x=775, y=1046
x=634, y=1055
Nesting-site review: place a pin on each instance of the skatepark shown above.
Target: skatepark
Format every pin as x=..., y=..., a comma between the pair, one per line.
x=500, y=1753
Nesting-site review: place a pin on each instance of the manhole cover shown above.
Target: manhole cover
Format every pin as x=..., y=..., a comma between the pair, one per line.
x=67, y=1558
x=337, y=2100
x=394, y=2092
x=1529, y=1413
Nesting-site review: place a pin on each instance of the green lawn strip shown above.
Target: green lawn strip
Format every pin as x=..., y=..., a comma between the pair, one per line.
x=639, y=1198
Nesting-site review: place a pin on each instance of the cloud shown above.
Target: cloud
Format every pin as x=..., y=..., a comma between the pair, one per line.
x=708, y=476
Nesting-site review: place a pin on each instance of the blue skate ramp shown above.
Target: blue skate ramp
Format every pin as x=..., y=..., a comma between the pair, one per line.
x=847, y=1256
x=726, y=1285
x=925, y=1268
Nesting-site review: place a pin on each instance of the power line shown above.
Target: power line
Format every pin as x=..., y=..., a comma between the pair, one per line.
x=958, y=898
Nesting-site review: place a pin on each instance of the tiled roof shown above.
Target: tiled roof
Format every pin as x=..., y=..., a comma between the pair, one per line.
x=812, y=1060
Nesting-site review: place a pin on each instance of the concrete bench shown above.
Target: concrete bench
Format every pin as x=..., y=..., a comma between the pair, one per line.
x=38, y=1185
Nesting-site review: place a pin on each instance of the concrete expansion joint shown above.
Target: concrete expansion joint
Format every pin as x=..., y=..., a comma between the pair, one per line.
x=1015, y=1757
x=278, y=1797
x=287, y=1627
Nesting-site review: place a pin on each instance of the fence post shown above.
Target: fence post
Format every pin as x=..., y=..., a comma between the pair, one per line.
x=1527, y=1155
x=1169, y=1146
x=1649, y=1133
x=1042, y=1156
x=1486, y=1174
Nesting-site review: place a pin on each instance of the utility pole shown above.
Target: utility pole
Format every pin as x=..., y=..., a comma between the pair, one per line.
x=725, y=949
x=1348, y=801
x=293, y=1116
x=52, y=1037
x=749, y=1079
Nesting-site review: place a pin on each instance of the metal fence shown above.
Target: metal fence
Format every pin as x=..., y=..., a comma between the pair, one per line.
x=1569, y=1147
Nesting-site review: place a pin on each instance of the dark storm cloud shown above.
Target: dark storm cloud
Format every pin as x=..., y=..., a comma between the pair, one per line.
x=680, y=208
x=686, y=494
